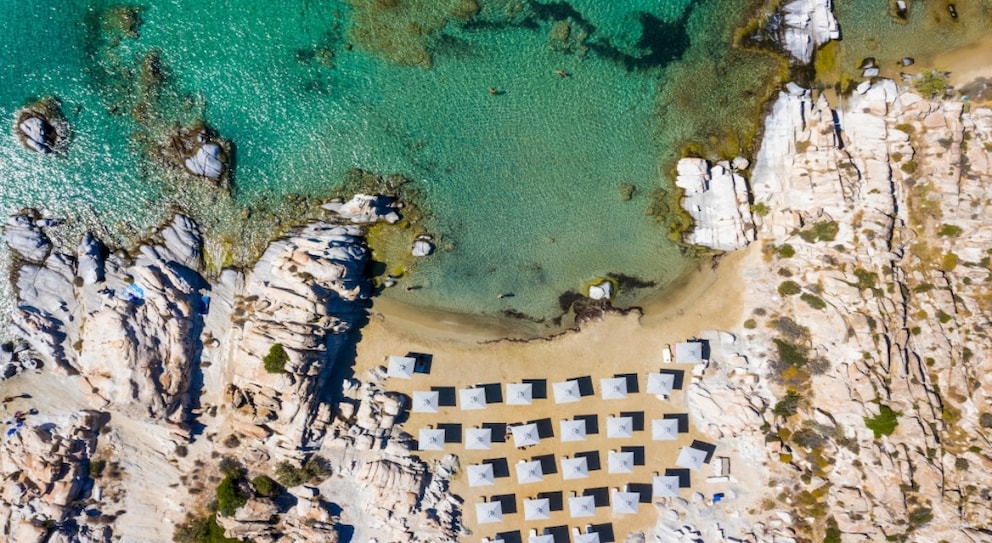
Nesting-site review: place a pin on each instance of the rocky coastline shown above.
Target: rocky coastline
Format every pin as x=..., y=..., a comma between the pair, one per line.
x=250, y=357
x=853, y=392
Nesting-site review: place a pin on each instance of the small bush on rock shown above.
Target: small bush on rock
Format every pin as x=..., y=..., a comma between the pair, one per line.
x=275, y=361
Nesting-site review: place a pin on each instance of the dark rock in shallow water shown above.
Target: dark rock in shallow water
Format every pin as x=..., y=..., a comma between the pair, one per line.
x=207, y=161
x=867, y=63
x=41, y=127
x=198, y=150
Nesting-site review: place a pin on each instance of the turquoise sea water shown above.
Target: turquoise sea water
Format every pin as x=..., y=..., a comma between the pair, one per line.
x=522, y=188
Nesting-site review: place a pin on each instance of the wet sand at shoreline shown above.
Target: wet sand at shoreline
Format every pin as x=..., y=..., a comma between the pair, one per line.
x=965, y=64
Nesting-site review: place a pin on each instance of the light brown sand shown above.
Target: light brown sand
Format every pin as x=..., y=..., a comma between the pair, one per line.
x=466, y=353
x=966, y=63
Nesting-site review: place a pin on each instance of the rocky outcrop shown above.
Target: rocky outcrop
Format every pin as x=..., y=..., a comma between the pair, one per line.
x=395, y=497
x=129, y=326
x=366, y=209
x=806, y=25
x=45, y=468
x=41, y=127
x=199, y=151
x=867, y=316
x=292, y=316
x=717, y=200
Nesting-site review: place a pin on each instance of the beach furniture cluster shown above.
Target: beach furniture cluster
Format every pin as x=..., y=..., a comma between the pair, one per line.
x=565, y=460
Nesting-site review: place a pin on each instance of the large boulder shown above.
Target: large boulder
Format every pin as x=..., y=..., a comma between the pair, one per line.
x=717, y=200
x=26, y=238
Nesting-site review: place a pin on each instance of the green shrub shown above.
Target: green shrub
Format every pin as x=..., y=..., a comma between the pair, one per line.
x=821, y=231
x=814, y=301
x=201, y=530
x=884, y=423
x=931, y=83
x=265, y=486
x=920, y=516
x=866, y=279
x=314, y=468
x=760, y=209
x=96, y=468
x=985, y=419
x=789, y=288
x=750, y=324
x=275, y=361
x=909, y=167
x=809, y=438
x=790, y=354
x=833, y=533
x=232, y=467
x=230, y=496
x=785, y=251
x=788, y=406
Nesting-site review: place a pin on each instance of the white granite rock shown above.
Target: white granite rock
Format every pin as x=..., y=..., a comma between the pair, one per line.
x=422, y=247
x=26, y=239
x=36, y=134
x=808, y=24
x=717, y=200
x=365, y=209
x=206, y=161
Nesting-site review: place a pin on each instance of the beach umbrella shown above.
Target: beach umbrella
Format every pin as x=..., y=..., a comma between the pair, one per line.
x=481, y=475
x=479, y=439
x=581, y=506
x=619, y=427
x=426, y=401
x=519, y=394
x=489, y=512
x=539, y=509
x=665, y=486
x=472, y=398
x=690, y=457
x=529, y=472
x=431, y=439
x=401, y=367
x=660, y=384
x=625, y=503
x=574, y=468
x=566, y=392
x=573, y=430
x=541, y=539
x=591, y=537
x=689, y=352
x=620, y=462
x=664, y=429
x=525, y=435
x=613, y=388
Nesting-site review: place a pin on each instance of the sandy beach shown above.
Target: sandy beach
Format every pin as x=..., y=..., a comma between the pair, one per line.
x=467, y=352
x=966, y=63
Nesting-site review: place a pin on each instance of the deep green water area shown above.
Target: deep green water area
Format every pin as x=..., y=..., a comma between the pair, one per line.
x=523, y=189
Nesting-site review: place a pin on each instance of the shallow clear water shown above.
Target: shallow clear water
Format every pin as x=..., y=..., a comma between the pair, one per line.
x=522, y=188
